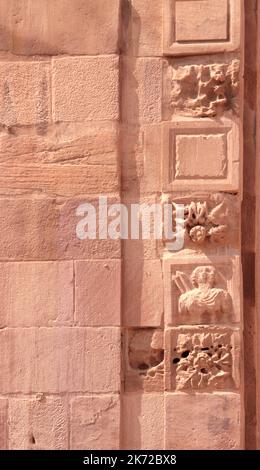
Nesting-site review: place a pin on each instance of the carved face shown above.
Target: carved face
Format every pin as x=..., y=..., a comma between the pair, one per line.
x=203, y=276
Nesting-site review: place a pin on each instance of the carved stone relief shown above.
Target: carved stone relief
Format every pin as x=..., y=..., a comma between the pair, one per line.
x=209, y=220
x=202, y=359
x=144, y=359
x=204, y=90
x=201, y=290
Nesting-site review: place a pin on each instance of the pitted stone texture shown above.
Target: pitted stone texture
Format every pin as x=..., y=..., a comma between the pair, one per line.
x=98, y=292
x=203, y=421
x=86, y=88
x=38, y=423
x=3, y=424
x=25, y=94
x=95, y=422
x=143, y=424
x=143, y=299
x=36, y=294
x=202, y=358
x=142, y=90
x=201, y=89
x=53, y=360
x=22, y=240
x=63, y=27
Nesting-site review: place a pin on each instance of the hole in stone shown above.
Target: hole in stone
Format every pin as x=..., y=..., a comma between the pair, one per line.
x=204, y=349
x=203, y=371
x=185, y=353
x=143, y=366
x=176, y=360
x=32, y=439
x=220, y=345
x=209, y=354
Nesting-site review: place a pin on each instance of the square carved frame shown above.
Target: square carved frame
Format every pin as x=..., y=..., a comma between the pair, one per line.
x=171, y=46
x=190, y=127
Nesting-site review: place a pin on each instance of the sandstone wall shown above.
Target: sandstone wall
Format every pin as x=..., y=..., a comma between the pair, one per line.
x=120, y=343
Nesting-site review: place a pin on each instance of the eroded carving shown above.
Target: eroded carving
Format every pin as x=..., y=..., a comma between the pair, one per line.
x=202, y=361
x=210, y=221
x=205, y=90
x=144, y=359
x=199, y=296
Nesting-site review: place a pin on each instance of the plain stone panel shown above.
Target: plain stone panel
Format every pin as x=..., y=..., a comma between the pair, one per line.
x=143, y=423
x=86, y=88
x=36, y=293
x=203, y=421
x=38, y=423
x=45, y=229
x=95, y=422
x=143, y=293
x=25, y=93
x=53, y=360
x=63, y=26
x=98, y=292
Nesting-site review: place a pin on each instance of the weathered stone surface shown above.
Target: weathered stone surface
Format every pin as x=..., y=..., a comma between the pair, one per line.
x=3, y=424
x=57, y=218
x=141, y=90
x=25, y=93
x=201, y=89
x=202, y=358
x=144, y=359
x=141, y=36
x=143, y=424
x=202, y=421
x=36, y=293
x=63, y=27
x=38, y=423
x=95, y=422
x=143, y=293
x=86, y=88
x=53, y=360
x=64, y=143
x=98, y=293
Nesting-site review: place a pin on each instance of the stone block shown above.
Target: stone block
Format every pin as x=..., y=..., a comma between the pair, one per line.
x=203, y=421
x=36, y=293
x=95, y=422
x=86, y=88
x=98, y=293
x=38, y=423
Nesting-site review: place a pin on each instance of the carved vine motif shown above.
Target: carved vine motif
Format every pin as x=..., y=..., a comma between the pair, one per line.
x=199, y=296
x=211, y=221
x=203, y=361
x=205, y=90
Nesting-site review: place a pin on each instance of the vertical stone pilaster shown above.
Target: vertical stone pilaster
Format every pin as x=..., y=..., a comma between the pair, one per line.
x=182, y=104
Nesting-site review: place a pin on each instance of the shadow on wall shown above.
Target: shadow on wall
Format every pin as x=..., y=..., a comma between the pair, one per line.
x=132, y=250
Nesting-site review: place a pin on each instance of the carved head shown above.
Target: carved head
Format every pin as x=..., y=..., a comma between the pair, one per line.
x=203, y=276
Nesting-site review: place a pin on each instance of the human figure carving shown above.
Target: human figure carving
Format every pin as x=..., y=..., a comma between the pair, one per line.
x=200, y=296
